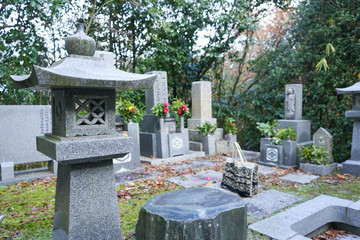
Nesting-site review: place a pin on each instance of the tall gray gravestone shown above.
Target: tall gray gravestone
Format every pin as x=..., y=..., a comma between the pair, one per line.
x=322, y=138
x=84, y=140
x=352, y=166
x=201, y=112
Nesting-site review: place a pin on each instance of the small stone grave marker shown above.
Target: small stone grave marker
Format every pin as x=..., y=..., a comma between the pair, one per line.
x=323, y=138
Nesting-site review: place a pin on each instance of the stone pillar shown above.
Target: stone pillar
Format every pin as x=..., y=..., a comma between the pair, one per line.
x=293, y=101
x=201, y=113
x=322, y=138
x=201, y=104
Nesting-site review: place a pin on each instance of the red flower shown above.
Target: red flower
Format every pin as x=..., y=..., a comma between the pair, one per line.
x=165, y=104
x=184, y=107
x=166, y=110
x=180, y=111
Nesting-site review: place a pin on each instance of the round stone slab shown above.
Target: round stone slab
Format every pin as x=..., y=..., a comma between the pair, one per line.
x=195, y=213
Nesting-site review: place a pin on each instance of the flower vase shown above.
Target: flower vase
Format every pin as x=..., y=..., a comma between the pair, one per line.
x=162, y=123
x=181, y=119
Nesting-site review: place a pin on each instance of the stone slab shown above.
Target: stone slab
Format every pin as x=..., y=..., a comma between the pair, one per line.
x=196, y=213
x=130, y=176
x=84, y=148
x=193, y=180
x=352, y=167
x=268, y=202
x=323, y=170
x=266, y=170
x=298, y=221
x=159, y=161
x=299, y=178
x=28, y=176
x=194, y=165
x=158, y=92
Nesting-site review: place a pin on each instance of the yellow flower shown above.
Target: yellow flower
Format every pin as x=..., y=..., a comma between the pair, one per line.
x=130, y=108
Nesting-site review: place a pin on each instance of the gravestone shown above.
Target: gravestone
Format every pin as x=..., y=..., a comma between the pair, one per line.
x=201, y=112
x=286, y=155
x=352, y=165
x=323, y=138
x=84, y=139
x=27, y=121
x=154, y=141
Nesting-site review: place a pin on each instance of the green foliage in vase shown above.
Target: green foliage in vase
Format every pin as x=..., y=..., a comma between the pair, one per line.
x=160, y=109
x=179, y=107
x=283, y=134
x=230, y=126
x=128, y=111
x=206, y=129
x=267, y=129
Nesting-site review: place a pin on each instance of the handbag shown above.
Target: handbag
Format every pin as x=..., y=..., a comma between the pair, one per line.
x=240, y=176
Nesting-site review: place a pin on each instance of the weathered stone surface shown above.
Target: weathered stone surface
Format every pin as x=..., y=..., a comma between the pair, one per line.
x=301, y=220
x=270, y=201
x=86, y=204
x=158, y=161
x=195, y=213
x=323, y=170
x=293, y=101
x=6, y=171
x=193, y=180
x=299, y=178
x=266, y=170
x=322, y=138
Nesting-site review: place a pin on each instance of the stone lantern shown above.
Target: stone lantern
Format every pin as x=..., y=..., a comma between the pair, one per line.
x=84, y=140
x=352, y=165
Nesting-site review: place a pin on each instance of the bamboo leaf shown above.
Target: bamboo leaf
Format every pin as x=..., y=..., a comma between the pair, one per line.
x=329, y=47
x=322, y=64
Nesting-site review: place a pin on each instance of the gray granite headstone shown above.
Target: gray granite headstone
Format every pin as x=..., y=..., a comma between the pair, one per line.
x=323, y=138
x=196, y=213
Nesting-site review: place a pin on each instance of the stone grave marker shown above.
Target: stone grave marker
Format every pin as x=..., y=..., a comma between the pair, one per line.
x=322, y=138
x=84, y=139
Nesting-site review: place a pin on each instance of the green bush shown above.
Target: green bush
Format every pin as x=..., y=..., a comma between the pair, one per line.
x=314, y=154
x=206, y=129
x=230, y=126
